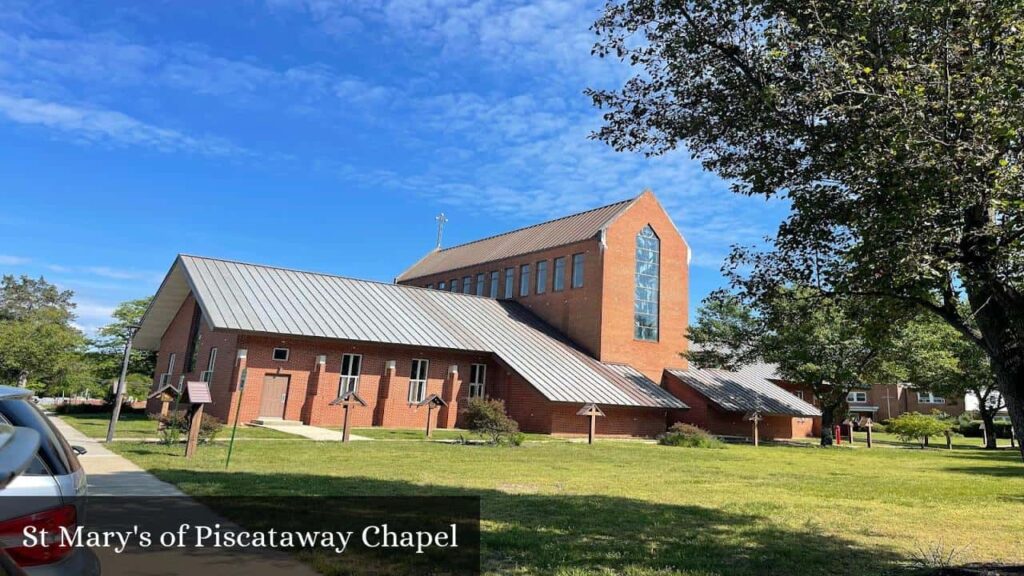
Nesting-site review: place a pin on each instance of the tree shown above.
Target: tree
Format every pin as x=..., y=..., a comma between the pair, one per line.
x=831, y=345
x=916, y=426
x=39, y=346
x=891, y=128
x=111, y=339
x=941, y=360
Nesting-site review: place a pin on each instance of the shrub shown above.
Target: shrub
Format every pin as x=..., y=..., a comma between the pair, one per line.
x=689, y=436
x=916, y=426
x=176, y=426
x=487, y=418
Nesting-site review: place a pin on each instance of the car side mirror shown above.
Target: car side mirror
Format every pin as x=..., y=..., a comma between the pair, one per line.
x=78, y=450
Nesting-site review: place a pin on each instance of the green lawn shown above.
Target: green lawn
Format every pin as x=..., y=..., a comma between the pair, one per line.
x=647, y=510
x=442, y=434
x=138, y=426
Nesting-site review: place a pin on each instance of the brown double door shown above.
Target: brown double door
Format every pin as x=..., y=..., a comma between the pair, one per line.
x=275, y=393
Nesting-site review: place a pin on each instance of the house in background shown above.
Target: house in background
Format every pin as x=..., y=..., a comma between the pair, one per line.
x=882, y=402
x=591, y=308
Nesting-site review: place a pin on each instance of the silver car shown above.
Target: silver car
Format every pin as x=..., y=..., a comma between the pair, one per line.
x=49, y=493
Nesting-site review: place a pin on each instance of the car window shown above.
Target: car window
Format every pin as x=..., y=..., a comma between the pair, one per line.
x=54, y=451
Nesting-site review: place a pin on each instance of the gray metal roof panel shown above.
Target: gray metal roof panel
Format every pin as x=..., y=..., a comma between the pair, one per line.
x=744, y=392
x=559, y=232
x=253, y=298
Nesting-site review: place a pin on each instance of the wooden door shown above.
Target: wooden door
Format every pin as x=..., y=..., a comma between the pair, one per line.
x=275, y=392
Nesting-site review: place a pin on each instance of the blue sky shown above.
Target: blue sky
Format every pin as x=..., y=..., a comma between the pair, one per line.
x=314, y=134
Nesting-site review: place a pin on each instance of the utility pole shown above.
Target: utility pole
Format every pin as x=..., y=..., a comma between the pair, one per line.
x=121, y=384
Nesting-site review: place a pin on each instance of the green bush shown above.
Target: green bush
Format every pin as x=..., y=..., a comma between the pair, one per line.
x=487, y=418
x=916, y=426
x=878, y=427
x=972, y=429
x=174, y=427
x=689, y=436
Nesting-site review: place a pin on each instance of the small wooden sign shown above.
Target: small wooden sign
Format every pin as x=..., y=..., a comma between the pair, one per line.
x=593, y=412
x=432, y=401
x=165, y=393
x=198, y=393
x=347, y=400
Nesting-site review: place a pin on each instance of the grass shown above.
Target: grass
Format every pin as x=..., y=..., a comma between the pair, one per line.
x=138, y=426
x=647, y=510
x=443, y=434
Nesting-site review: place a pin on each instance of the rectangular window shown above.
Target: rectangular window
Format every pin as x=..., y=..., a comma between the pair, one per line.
x=495, y=281
x=351, y=366
x=577, y=270
x=479, y=284
x=442, y=286
x=559, y=280
x=194, y=340
x=857, y=397
x=477, y=380
x=418, y=381
x=165, y=378
x=210, y=365
x=524, y=280
x=430, y=286
x=454, y=285
x=542, y=276
x=467, y=285
x=929, y=398
x=281, y=354
x=510, y=281
x=646, y=304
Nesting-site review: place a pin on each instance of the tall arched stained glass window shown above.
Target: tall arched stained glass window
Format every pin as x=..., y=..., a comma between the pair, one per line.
x=648, y=280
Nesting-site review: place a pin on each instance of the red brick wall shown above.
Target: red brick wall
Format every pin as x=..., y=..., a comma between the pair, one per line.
x=576, y=312
x=618, y=343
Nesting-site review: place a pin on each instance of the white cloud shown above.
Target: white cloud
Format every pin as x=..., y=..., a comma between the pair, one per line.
x=8, y=260
x=94, y=124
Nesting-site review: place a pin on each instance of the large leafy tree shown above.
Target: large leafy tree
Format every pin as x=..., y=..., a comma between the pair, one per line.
x=939, y=358
x=111, y=340
x=39, y=346
x=892, y=128
x=831, y=345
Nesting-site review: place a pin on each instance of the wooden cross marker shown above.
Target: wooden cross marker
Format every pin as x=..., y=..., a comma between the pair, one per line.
x=869, y=425
x=755, y=417
x=348, y=401
x=593, y=412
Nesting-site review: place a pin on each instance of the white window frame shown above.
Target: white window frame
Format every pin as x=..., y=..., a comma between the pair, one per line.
x=418, y=386
x=477, y=380
x=524, y=280
x=558, y=274
x=855, y=396
x=442, y=286
x=349, y=382
x=930, y=398
x=799, y=394
x=495, y=287
x=510, y=283
x=165, y=378
x=207, y=376
x=287, y=355
x=580, y=272
x=480, y=278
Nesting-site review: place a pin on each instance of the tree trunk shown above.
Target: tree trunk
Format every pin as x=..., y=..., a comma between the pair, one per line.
x=1011, y=385
x=988, y=419
x=828, y=420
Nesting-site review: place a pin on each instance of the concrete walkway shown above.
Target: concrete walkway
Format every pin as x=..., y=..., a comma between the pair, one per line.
x=110, y=474
x=311, y=432
x=113, y=475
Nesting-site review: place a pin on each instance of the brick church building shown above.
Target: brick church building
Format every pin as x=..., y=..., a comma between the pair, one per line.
x=590, y=308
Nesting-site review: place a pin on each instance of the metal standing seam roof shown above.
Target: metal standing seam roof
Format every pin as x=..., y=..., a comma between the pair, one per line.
x=253, y=298
x=745, y=391
x=567, y=230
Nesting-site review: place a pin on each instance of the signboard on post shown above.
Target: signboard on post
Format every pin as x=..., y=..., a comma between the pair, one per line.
x=350, y=400
x=197, y=394
x=593, y=412
x=433, y=401
x=166, y=394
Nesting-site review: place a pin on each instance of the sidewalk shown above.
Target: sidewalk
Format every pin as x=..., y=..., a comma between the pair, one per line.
x=312, y=432
x=110, y=474
x=113, y=475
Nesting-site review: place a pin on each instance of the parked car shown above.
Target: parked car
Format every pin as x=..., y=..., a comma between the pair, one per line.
x=49, y=493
